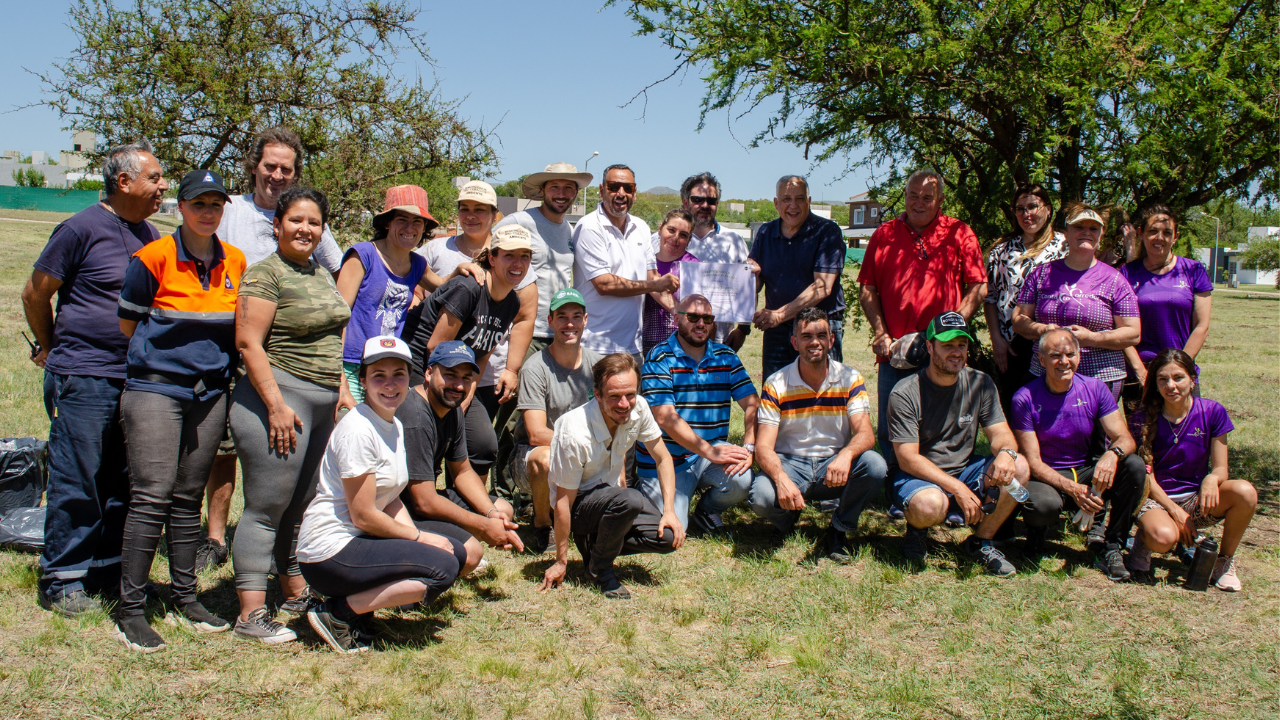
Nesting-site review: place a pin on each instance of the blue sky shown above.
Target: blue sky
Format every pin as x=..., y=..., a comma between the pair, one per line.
x=502, y=60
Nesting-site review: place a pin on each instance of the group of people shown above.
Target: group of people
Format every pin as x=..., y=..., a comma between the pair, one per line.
x=375, y=398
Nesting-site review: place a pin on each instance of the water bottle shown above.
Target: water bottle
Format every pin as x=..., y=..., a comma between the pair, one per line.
x=1202, y=565
x=1018, y=492
x=1082, y=519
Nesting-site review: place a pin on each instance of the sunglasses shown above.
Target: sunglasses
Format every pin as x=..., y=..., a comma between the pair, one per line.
x=628, y=188
x=924, y=254
x=695, y=318
x=701, y=200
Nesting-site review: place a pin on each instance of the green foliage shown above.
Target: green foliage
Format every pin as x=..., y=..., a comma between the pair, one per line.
x=29, y=177
x=1263, y=255
x=1198, y=229
x=87, y=184
x=201, y=79
x=1128, y=102
x=511, y=188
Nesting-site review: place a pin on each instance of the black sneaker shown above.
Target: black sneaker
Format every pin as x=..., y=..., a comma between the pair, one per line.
x=1111, y=563
x=705, y=524
x=301, y=604
x=71, y=605
x=339, y=634
x=262, y=627
x=136, y=634
x=197, y=618
x=838, y=546
x=541, y=539
x=612, y=587
x=210, y=554
x=915, y=543
x=982, y=552
x=1095, y=539
x=1037, y=544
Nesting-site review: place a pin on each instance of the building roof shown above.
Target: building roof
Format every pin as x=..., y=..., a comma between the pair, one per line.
x=861, y=197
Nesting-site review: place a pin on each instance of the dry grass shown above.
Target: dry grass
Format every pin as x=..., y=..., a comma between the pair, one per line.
x=747, y=628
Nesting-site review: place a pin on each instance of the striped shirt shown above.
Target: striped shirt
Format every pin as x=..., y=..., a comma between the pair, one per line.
x=701, y=392
x=813, y=423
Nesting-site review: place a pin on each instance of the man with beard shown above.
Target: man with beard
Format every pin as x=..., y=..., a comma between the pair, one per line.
x=934, y=417
x=700, y=196
x=689, y=382
x=614, y=267
x=435, y=433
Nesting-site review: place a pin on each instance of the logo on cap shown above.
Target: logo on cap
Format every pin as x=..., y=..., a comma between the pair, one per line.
x=387, y=342
x=952, y=320
x=208, y=177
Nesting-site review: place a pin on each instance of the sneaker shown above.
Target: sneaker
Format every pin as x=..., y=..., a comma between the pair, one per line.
x=261, y=626
x=1138, y=562
x=137, y=635
x=983, y=552
x=914, y=543
x=838, y=546
x=541, y=540
x=339, y=634
x=301, y=604
x=481, y=567
x=210, y=554
x=896, y=513
x=1037, y=544
x=1224, y=575
x=196, y=617
x=612, y=587
x=1111, y=563
x=71, y=605
x=1096, y=540
x=955, y=520
x=705, y=524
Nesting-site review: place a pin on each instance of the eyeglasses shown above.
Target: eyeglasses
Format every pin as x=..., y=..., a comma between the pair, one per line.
x=703, y=200
x=924, y=254
x=1027, y=209
x=628, y=188
x=695, y=318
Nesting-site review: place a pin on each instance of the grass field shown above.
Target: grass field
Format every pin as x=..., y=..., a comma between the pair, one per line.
x=752, y=627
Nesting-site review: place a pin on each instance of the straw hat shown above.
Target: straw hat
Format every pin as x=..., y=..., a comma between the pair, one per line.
x=409, y=199
x=532, y=185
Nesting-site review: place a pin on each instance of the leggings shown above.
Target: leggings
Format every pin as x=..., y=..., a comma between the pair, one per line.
x=170, y=444
x=368, y=562
x=277, y=488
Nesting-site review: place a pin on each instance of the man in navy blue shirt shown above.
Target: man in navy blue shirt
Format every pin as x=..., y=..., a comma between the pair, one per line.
x=799, y=258
x=83, y=353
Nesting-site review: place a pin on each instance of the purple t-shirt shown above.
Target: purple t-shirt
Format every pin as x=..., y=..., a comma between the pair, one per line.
x=381, y=302
x=1064, y=423
x=658, y=323
x=1089, y=298
x=89, y=252
x=1180, y=454
x=1166, y=303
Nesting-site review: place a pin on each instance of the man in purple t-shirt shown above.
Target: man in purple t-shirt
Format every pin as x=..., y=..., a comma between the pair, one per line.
x=83, y=353
x=1059, y=420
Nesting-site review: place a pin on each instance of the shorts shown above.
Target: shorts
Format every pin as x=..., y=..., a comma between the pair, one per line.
x=461, y=502
x=518, y=467
x=1201, y=518
x=903, y=487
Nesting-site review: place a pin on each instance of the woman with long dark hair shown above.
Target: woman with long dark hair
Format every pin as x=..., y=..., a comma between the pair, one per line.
x=1184, y=440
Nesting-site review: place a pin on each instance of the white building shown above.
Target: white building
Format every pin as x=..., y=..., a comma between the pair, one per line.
x=1236, y=274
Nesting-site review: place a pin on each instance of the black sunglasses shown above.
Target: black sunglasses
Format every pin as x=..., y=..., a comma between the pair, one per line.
x=695, y=318
x=924, y=254
x=703, y=200
x=629, y=188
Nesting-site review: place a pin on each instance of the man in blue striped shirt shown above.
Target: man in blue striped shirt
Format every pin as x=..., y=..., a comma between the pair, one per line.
x=689, y=382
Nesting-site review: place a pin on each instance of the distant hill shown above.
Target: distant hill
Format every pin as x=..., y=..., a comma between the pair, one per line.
x=661, y=190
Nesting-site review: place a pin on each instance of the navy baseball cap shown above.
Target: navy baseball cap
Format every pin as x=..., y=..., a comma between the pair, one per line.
x=198, y=182
x=452, y=352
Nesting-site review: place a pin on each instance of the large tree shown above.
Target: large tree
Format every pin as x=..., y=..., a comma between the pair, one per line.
x=1128, y=101
x=200, y=79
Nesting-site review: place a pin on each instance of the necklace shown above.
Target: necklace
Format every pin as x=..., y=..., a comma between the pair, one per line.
x=1180, y=428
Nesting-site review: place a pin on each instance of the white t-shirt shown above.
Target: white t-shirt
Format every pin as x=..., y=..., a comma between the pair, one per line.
x=584, y=454
x=600, y=248
x=361, y=443
x=552, y=264
x=248, y=227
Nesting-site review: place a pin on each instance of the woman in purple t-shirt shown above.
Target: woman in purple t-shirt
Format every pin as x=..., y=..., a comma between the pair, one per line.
x=1085, y=296
x=1184, y=439
x=673, y=239
x=1174, y=296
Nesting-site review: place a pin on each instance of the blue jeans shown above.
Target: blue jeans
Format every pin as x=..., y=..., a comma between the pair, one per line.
x=88, y=493
x=887, y=376
x=905, y=487
x=722, y=491
x=777, y=352
x=809, y=473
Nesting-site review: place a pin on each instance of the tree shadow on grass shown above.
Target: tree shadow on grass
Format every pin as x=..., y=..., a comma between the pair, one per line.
x=1258, y=465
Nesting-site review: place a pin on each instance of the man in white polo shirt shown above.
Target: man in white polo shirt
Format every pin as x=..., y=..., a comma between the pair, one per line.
x=614, y=267
x=700, y=195
x=589, y=493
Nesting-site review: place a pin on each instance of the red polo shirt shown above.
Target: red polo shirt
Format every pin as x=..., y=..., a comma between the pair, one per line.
x=914, y=289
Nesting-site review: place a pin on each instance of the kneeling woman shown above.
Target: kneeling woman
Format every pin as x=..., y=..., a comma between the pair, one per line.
x=358, y=545
x=1184, y=438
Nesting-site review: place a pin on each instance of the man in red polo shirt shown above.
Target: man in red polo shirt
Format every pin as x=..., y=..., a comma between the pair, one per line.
x=918, y=265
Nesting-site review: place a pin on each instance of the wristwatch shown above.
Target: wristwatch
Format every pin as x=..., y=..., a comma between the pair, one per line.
x=750, y=447
x=1012, y=453
x=1116, y=449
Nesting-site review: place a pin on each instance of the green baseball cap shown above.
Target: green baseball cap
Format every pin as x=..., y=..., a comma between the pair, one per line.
x=566, y=296
x=948, y=326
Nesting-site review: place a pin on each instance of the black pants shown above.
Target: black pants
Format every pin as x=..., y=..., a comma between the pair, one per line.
x=617, y=521
x=482, y=441
x=1017, y=375
x=369, y=562
x=1126, y=490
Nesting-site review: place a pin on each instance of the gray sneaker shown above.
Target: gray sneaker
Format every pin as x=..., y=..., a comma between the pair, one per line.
x=261, y=626
x=984, y=553
x=342, y=636
x=72, y=604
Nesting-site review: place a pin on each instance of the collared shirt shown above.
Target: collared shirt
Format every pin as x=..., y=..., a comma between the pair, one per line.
x=1007, y=269
x=914, y=289
x=600, y=248
x=185, y=312
x=787, y=265
x=700, y=390
x=583, y=452
x=813, y=423
x=248, y=227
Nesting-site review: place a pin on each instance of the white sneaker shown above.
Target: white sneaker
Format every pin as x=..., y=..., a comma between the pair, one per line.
x=1224, y=575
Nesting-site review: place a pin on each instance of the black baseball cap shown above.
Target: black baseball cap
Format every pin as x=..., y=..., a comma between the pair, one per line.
x=198, y=182
x=948, y=326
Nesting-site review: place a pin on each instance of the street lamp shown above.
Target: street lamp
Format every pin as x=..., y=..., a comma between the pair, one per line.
x=584, y=190
x=1217, y=226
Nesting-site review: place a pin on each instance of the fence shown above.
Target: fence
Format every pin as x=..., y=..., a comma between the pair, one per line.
x=47, y=199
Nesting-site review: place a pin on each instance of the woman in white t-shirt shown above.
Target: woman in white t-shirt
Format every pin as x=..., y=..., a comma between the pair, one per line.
x=357, y=544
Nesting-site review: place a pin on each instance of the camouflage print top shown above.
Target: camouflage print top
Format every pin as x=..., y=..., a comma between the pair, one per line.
x=305, y=339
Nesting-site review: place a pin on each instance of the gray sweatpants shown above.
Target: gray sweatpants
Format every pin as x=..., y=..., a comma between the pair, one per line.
x=277, y=488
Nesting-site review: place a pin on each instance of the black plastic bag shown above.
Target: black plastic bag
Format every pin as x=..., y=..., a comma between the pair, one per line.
x=23, y=529
x=23, y=473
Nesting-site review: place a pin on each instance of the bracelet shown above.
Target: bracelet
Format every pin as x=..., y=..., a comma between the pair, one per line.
x=488, y=514
x=419, y=537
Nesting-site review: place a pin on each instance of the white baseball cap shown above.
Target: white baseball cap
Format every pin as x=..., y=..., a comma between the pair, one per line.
x=385, y=346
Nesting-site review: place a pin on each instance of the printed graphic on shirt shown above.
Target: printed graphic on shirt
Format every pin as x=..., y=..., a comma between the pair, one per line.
x=395, y=298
